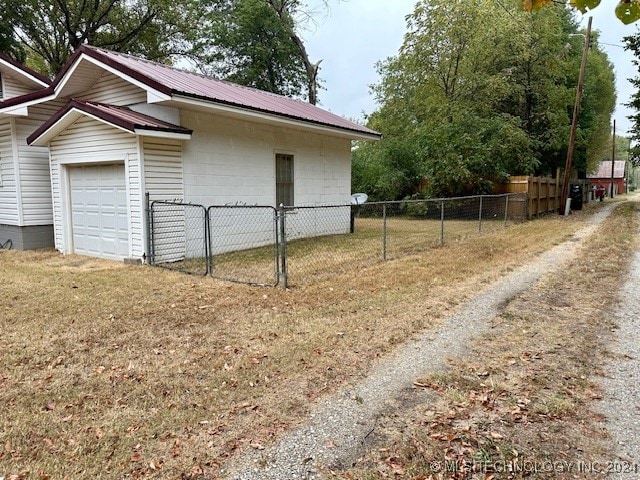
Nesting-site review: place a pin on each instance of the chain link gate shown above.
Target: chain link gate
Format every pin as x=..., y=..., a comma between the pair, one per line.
x=243, y=244
x=178, y=236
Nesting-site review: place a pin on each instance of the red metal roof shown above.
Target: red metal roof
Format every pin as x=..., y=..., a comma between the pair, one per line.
x=172, y=81
x=604, y=170
x=122, y=117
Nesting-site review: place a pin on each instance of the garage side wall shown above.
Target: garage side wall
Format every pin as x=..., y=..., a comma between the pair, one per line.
x=88, y=142
x=163, y=181
x=230, y=161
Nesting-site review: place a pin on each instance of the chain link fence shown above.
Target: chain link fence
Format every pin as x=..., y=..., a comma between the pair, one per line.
x=294, y=245
x=243, y=244
x=178, y=237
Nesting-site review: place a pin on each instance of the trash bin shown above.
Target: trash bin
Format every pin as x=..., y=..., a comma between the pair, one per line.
x=575, y=194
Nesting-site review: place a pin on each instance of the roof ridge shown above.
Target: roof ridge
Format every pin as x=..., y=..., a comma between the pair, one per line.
x=194, y=73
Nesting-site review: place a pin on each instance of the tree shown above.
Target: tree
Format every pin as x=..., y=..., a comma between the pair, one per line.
x=50, y=30
x=479, y=91
x=633, y=44
x=8, y=43
x=257, y=43
x=628, y=11
x=598, y=104
x=251, y=46
x=287, y=10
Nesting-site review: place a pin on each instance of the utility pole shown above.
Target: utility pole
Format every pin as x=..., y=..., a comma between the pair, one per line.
x=613, y=158
x=574, y=120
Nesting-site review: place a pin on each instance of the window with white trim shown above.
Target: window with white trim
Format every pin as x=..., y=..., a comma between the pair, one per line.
x=284, y=179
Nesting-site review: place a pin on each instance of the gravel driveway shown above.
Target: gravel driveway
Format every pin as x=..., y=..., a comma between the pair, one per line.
x=621, y=402
x=338, y=428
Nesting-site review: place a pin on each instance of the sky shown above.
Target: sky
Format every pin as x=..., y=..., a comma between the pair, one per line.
x=355, y=34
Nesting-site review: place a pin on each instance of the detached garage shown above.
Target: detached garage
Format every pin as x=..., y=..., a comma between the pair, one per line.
x=131, y=127
x=99, y=175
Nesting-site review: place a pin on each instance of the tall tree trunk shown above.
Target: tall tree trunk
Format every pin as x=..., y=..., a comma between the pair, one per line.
x=280, y=7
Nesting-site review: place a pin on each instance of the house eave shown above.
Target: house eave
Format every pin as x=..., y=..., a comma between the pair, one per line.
x=21, y=109
x=73, y=113
x=31, y=77
x=271, y=118
x=153, y=95
x=146, y=132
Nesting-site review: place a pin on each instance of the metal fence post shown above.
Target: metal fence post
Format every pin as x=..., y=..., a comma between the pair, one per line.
x=208, y=248
x=441, y=222
x=283, y=247
x=480, y=216
x=384, y=231
x=147, y=210
x=506, y=209
x=152, y=235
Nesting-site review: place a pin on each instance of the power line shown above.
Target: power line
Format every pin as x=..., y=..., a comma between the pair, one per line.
x=612, y=44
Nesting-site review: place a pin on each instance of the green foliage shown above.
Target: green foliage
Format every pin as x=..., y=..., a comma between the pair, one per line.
x=251, y=42
x=633, y=44
x=480, y=91
x=8, y=43
x=471, y=154
x=257, y=43
x=623, y=146
x=51, y=29
x=598, y=104
x=251, y=45
x=387, y=170
x=628, y=11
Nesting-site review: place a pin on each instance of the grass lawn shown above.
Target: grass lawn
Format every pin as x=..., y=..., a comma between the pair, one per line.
x=114, y=371
x=324, y=256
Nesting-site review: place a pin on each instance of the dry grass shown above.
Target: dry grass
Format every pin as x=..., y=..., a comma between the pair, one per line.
x=523, y=397
x=323, y=256
x=113, y=371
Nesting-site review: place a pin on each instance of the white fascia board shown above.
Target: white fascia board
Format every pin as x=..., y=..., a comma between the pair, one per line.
x=160, y=134
x=24, y=74
x=44, y=139
x=274, y=118
x=21, y=109
x=153, y=96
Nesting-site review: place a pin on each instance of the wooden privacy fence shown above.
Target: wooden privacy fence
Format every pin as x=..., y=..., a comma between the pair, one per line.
x=543, y=193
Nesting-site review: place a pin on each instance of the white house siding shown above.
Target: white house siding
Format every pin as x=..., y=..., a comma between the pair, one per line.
x=163, y=181
x=13, y=87
x=163, y=168
x=113, y=90
x=8, y=203
x=232, y=162
x=85, y=142
x=34, y=168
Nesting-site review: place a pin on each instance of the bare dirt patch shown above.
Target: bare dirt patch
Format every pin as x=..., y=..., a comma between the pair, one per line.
x=521, y=405
x=133, y=372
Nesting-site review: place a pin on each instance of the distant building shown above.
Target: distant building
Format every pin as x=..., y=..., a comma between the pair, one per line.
x=602, y=177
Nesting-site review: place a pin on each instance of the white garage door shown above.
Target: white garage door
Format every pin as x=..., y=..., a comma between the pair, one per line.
x=99, y=211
